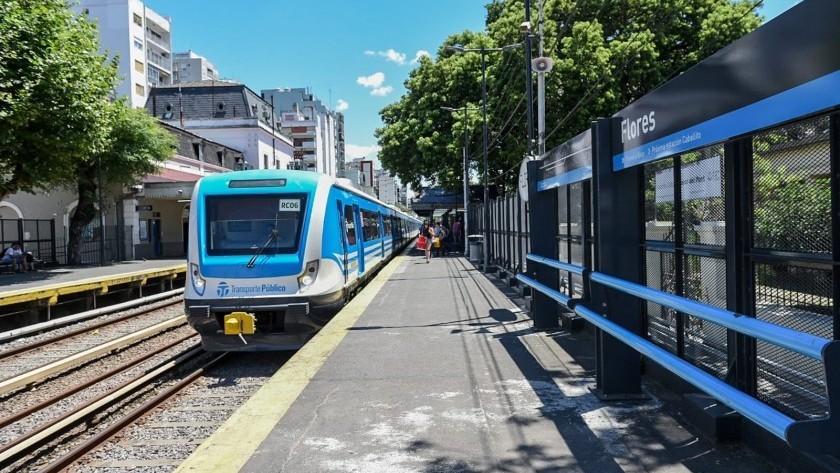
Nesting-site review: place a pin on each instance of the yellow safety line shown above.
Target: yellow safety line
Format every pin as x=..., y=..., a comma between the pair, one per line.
x=101, y=283
x=232, y=445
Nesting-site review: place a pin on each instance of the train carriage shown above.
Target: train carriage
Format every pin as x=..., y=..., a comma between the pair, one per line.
x=274, y=254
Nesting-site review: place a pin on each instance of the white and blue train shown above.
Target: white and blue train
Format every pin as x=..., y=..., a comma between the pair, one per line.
x=274, y=254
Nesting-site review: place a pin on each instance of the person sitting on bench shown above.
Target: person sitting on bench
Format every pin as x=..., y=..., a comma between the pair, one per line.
x=15, y=257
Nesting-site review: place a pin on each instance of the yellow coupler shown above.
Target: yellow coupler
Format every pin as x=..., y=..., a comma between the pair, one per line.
x=237, y=323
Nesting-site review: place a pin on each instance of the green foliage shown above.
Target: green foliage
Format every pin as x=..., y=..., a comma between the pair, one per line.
x=606, y=53
x=54, y=89
x=135, y=146
x=792, y=211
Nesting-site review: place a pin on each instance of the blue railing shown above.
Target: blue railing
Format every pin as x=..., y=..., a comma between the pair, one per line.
x=807, y=435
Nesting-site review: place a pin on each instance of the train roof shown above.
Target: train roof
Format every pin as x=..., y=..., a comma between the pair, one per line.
x=216, y=181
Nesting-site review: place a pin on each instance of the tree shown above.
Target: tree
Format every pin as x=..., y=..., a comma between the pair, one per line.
x=54, y=89
x=607, y=54
x=419, y=139
x=134, y=147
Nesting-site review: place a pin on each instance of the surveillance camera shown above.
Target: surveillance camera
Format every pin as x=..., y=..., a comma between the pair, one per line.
x=525, y=27
x=137, y=188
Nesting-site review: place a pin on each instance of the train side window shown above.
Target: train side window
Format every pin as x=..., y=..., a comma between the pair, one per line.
x=349, y=225
x=386, y=220
x=370, y=221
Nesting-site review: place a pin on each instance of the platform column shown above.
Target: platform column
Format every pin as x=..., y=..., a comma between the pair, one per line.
x=618, y=234
x=544, y=227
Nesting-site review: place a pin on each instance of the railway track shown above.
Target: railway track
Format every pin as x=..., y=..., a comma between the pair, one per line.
x=112, y=382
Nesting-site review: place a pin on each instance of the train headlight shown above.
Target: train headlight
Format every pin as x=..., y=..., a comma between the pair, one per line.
x=197, y=281
x=309, y=274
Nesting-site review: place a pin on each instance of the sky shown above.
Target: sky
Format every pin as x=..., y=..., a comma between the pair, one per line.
x=354, y=55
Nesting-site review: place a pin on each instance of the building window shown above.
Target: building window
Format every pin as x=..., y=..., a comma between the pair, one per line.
x=220, y=155
x=138, y=66
x=138, y=20
x=138, y=44
x=265, y=161
x=139, y=89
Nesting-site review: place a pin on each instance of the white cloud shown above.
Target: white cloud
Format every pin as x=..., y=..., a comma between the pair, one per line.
x=394, y=56
x=374, y=80
x=382, y=91
x=389, y=54
x=341, y=105
x=352, y=151
x=418, y=55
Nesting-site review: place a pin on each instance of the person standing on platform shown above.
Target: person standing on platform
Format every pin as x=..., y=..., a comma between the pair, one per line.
x=428, y=232
x=441, y=233
x=456, y=231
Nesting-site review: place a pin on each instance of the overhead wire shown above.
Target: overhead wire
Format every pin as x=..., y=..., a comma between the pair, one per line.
x=584, y=100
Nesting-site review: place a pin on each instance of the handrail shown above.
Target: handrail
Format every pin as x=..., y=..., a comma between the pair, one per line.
x=556, y=264
x=774, y=421
x=813, y=435
x=799, y=342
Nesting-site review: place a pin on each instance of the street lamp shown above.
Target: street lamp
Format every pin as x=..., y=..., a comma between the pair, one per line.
x=101, y=219
x=484, y=51
x=466, y=171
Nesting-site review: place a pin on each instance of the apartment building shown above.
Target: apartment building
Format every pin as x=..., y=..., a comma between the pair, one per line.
x=143, y=40
x=318, y=140
x=191, y=67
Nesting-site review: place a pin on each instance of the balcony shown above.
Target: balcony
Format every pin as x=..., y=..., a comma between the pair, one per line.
x=164, y=63
x=307, y=145
x=158, y=41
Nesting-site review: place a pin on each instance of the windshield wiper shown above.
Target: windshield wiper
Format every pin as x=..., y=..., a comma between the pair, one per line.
x=271, y=237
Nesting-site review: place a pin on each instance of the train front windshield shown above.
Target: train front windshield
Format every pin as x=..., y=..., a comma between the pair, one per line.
x=241, y=225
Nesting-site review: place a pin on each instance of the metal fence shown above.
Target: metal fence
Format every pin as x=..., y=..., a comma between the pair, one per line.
x=39, y=237
x=783, y=274
x=36, y=236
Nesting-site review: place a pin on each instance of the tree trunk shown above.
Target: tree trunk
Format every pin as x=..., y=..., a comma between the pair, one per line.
x=85, y=213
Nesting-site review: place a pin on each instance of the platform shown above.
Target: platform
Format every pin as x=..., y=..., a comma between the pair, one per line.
x=66, y=275
x=434, y=368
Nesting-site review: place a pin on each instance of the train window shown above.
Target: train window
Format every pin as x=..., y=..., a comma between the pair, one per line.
x=370, y=225
x=241, y=225
x=349, y=225
x=386, y=220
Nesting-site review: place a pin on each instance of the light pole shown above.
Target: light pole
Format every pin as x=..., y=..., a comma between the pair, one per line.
x=466, y=171
x=101, y=219
x=484, y=51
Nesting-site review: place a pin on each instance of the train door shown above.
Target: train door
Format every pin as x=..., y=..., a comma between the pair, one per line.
x=382, y=236
x=360, y=238
x=345, y=236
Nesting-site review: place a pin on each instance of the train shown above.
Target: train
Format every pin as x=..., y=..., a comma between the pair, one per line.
x=273, y=254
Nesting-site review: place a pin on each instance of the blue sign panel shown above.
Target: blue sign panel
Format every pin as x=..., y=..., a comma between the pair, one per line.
x=788, y=68
x=568, y=163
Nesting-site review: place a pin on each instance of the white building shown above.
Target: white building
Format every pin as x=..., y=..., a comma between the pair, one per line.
x=390, y=189
x=143, y=40
x=318, y=138
x=228, y=113
x=360, y=172
x=190, y=67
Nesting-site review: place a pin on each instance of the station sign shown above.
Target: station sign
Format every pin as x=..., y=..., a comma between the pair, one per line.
x=568, y=163
x=761, y=80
